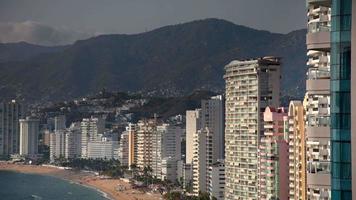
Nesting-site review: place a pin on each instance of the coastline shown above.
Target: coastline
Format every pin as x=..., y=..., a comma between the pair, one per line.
x=107, y=187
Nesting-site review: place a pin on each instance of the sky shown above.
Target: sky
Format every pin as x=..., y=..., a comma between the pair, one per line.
x=53, y=22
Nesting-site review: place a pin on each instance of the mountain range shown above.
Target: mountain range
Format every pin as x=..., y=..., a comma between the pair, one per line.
x=170, y=61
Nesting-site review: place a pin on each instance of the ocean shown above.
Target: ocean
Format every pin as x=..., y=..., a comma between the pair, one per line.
x=19, y=186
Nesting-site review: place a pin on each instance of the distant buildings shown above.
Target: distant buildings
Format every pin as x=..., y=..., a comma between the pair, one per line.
x=144, y=138
x=251, y=86
x=124, y=149
x=104, y=149
x=166, y=148
x=73, y=140
x=92, y=129
x=205, y=139
x=193, y=123
x=131, y=130
x=29, y=131
x=10, y=114
x=297, y=151
x=66, y=143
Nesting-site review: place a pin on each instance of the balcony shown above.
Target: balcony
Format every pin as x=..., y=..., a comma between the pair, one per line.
x=326, y=3
x=318, y=37
x=318, y=85
x=318, y=73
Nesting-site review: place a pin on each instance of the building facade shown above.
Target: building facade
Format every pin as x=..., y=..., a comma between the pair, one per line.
x=353, y=96
x=341, y=73
x=29, y=132
x=251, y=86
x=10, y=114
x=166, y=144
x=124, y=149
x=105, y=149
x=73, y=141
x=317, y=133
x=216, y=180
x=131, y=130
x=145, y=132
x=297, y=157
x=92, y=129
x=208, y=140
x=192, y=126
x=273, y=181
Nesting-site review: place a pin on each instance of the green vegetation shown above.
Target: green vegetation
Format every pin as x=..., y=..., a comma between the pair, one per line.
x=110, y=168
x=181, y=196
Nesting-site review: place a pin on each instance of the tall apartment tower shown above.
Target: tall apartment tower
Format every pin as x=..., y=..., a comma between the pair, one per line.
x=92, y=129
x=166, y=143
x=318, y=100
x=343, y=65
x=353, y=97
x=60, y=122
x=251, y=86
x=273, y=158
x=29, y=131
x=73, y=141
x=208, y=140
x=131, y=130
x=124, y=149
x=297, y=165
x=193, y=118
x=10, y=114
x=145, y=132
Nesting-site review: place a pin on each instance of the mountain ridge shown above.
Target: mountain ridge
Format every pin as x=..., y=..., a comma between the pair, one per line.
x=190, y=55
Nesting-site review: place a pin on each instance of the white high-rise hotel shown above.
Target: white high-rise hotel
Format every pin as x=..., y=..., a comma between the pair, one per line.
x=207, y=128
x=251, y=86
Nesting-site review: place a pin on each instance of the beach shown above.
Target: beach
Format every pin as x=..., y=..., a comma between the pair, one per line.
x=115, y=189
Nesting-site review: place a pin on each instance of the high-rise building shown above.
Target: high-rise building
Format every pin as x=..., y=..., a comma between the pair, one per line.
x=66, y=143
x=10, y=114
x=92, y=129
x=145, y=132
x=208, y=140
x=57, y=145
x=273, y=167
x=216, y=180
x=193, y=118
x=124, y=149
x=73, y=141
x=317, y=133
x=131, y=129
x=104, y=149
x=297, y=165
x=169, y=169
x=166, y=144
x=343, y=22
x=29, y=131
x=251, y=86
x=353, y=98
x=60, y=122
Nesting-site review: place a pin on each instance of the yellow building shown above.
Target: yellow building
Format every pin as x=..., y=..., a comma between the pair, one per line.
x=297, y=162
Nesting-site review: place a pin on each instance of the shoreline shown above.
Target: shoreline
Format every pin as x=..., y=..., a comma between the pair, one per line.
x=107, y=187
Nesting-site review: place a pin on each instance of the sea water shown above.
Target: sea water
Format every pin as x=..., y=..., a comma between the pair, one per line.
x=19, y=186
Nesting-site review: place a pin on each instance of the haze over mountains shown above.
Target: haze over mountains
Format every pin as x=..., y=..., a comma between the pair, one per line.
x=172, y=60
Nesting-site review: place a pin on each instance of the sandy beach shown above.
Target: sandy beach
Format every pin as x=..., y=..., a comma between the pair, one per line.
x=108, y=186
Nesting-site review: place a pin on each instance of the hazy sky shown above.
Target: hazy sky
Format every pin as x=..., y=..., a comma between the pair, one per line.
x=133, y=16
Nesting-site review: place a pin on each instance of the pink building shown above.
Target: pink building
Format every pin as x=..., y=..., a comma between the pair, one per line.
x=273, y=156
